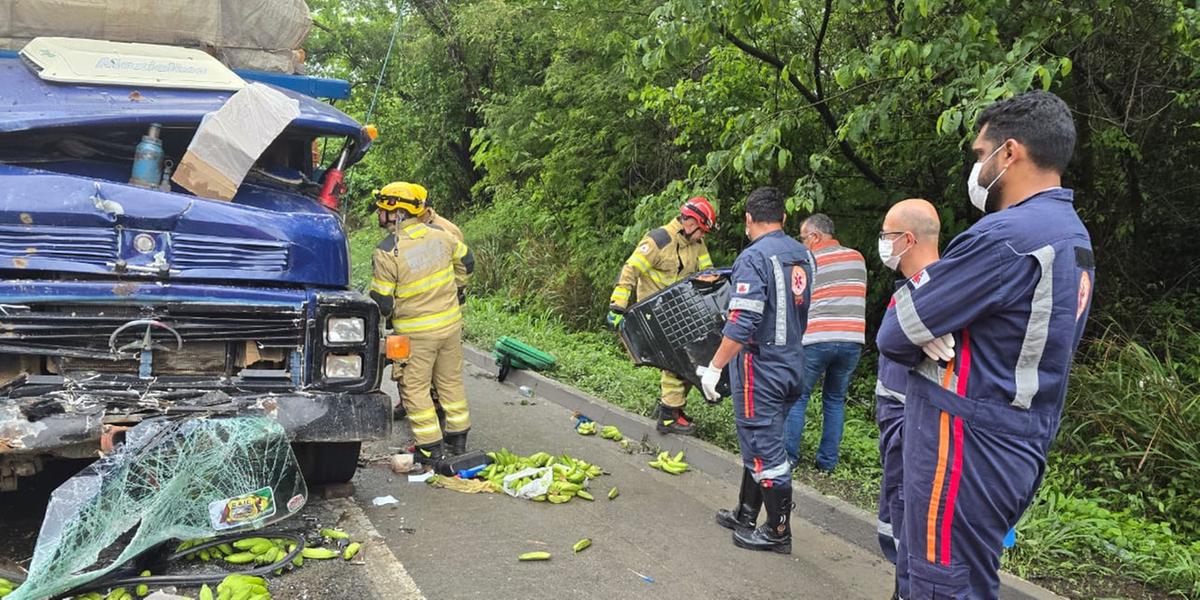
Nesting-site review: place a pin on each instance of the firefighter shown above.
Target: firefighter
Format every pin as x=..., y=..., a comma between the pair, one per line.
x=665, y=256
x=763, y=346
x=417, y=272
x=990, y=331
x=908, y=244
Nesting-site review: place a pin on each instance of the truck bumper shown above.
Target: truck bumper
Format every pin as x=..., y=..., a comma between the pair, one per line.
x=306, y=416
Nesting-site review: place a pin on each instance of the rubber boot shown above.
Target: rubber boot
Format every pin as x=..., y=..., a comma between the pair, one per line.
x=749, y=502
x=776, y=534
x=456, y=443
x=431, y=454
x=668, y=419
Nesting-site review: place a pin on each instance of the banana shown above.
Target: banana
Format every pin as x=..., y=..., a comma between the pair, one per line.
x=582, y=545
x=534, y=556
x=225, y=549
x=558, y=499
x=298, y=561
x=351, y=550
x=248, y=543
x=335, y=534
x=583, y=494
x=240, y=558
x=678, y=457
x=613, y=493
x=541, y=498
x=318, y=553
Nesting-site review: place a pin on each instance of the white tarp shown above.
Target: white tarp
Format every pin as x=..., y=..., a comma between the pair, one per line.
x=244, y=34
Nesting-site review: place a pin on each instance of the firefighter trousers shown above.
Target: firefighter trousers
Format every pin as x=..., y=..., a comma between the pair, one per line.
x=674, y=390
x=436, y=360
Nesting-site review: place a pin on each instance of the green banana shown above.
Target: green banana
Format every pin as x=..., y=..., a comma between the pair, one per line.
x=534, y=556
x=240, y=558
x=318, y=553
x=582, y=545
x=613, y=493
x=351, y=550
x=248, y=543
x=585, y=495
x=335, y=534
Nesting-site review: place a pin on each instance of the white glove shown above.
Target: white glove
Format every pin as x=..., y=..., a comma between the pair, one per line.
x=940, y=349
x=709, y=376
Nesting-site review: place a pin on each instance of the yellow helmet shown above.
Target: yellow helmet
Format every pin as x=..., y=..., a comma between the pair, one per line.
x=401, y=195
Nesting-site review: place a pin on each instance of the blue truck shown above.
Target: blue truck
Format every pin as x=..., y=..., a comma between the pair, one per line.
x=122, y=302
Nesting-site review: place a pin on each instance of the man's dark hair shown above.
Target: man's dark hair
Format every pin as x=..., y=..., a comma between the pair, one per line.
x=1039, y=120
x=765, y=205
x=821, y=222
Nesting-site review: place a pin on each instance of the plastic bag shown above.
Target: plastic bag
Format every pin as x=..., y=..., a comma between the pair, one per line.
x=542, y=478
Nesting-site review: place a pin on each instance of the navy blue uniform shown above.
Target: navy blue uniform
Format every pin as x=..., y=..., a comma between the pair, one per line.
x=891, y=381
x=768, y=310
x=1014, y=290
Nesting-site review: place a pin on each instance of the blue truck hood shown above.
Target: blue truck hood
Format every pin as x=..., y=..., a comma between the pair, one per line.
x=28, y=103
x=69, y=223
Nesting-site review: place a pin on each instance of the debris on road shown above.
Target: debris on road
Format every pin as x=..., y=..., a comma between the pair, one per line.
x=668, y=464
x=610, y=432
x=540, y=477
x=582, y=545
x=528, y=556
x=403, y=464
x=645, y=578
x=613, y=493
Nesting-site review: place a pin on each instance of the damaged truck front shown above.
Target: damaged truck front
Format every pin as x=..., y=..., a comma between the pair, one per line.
x=121, y=302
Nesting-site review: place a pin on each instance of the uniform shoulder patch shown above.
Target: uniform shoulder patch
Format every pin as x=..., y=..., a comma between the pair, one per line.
x=921, y=278
x=388, y=243
x=660, y=236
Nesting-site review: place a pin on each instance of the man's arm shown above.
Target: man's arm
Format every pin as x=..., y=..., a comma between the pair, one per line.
x=383, y=281
x=460, y=266
x=638, y=263
x=968, y=283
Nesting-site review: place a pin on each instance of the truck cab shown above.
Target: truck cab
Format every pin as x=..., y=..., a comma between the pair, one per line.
x=121, y=302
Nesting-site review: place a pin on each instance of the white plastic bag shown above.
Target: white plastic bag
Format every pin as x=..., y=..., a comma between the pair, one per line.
x=542, y=478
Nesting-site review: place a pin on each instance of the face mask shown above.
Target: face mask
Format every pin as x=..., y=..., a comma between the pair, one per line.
x=891, y=261
x=976, y=192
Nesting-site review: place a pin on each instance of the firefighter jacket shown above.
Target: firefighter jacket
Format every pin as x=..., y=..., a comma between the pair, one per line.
x=662, y=258
x=433, y=219
x=417, y=272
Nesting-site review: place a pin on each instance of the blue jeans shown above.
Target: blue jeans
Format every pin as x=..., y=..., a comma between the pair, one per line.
x=835, y=362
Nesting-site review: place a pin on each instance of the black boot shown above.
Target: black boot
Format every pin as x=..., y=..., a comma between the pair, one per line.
x=776, y=534
x=749, y=502
x=456, y=443
x=669, y=419
x=431, y=454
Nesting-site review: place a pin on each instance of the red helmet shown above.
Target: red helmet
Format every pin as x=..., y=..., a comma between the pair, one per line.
x=699, y=209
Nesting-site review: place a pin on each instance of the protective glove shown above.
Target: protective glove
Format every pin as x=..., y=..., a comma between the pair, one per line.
x=462, y=296
x=709, y=376
x=940, y=349
x=614, y=318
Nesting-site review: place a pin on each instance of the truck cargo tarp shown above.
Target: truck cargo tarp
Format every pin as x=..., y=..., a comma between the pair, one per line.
x=262, y=35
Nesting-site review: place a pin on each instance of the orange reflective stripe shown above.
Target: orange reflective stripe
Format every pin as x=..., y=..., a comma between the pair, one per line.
x=939, y=477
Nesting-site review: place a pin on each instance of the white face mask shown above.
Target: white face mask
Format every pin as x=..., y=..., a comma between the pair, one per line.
x=886, y=247
x=976, y=192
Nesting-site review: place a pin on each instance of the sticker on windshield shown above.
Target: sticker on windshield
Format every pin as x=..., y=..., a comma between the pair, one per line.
x=241, y=510
x=295, y=503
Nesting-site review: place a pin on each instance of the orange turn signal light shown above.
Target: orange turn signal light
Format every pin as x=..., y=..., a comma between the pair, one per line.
x=372, y=131
x=399, y=347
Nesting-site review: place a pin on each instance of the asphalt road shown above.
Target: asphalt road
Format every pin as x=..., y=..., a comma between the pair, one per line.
x=457, y=545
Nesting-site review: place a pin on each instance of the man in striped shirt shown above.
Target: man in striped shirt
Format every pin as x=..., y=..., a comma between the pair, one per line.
x=834, y=338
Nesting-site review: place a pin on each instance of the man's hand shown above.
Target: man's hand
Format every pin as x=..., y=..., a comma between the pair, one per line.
x=940, y=349
x=709, y=376
x=614, y=318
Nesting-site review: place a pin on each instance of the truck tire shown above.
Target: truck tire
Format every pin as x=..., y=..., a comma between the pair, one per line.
x=327, y=462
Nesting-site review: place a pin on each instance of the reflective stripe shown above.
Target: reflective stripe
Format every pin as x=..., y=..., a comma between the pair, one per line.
x=906, y=312
x=416, y=230
x=704, y=262
x=425, y=284
x=886, y=392
x=780, y=304
x=619, y=296
x=382, y=287
x=431, y=428
x=460, y=250
x=640, y=263
x=935, y=497
x=884, y=529
x=457, y=418
x=952, y=491
x=428, y=322
x=773, y=473
x=746, y=304
x=1036, y=331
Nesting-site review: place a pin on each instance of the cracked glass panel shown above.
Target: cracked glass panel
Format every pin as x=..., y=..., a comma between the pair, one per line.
x=171, y=480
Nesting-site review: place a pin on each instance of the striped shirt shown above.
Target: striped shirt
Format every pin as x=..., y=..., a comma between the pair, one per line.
x=839, y=296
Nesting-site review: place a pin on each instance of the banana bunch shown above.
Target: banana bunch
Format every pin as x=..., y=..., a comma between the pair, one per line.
x=586, y=428
x=113, y=594
x=570, y=474
x=610, y=432
x=673, y=465
x=240, y=587
x=6, y=587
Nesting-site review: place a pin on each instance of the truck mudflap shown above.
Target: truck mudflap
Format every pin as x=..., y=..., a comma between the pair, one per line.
x=40, y=426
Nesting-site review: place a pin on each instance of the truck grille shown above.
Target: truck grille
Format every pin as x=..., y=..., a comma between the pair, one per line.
x=89, y=246
x=85, y=331
x=206, y=252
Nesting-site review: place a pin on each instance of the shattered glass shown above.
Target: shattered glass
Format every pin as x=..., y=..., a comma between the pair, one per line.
x=172, y=479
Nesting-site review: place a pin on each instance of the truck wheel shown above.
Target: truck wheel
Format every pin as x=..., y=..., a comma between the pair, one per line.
x=327, y=462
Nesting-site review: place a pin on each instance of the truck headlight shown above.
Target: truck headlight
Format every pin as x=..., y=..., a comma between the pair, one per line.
x=345, y=330
x=343, y=366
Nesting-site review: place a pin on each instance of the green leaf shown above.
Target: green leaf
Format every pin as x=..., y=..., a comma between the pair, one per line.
x=1065, y=66
x=1045, y=75
x=784, y=156
x=923, y=6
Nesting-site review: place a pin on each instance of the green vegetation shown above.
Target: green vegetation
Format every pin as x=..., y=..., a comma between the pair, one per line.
x=557, y=133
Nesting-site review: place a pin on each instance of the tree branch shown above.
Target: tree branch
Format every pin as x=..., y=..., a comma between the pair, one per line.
x=827, y=117
x=817, y=48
